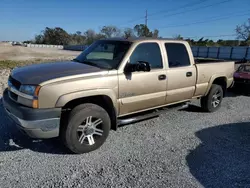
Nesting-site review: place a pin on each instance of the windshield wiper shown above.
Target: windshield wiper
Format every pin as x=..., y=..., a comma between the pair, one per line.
x=91, y=63
x=86, y=62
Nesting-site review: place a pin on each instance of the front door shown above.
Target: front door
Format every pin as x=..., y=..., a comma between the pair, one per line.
x=143, y=90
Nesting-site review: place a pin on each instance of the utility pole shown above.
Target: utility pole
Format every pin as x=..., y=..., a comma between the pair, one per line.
x=146, y=18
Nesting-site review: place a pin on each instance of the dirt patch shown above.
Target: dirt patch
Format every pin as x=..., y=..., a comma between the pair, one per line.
x=4, y=74
x=20, y=53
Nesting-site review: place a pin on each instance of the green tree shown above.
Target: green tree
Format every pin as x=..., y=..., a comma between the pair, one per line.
x=39, y=39
x=99, y=36
x=90, y=36
x=77, y=38
x=55, y=36
x=178, y=37
x=110, y=31
x=142, y=30
x=128, y=32
x=156, y=33
x=191, y=42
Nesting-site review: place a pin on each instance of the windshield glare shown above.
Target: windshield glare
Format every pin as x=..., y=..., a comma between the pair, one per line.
x=104, y=54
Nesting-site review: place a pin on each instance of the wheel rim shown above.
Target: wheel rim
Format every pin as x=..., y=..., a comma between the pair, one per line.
x=90, y=130
x=216, y=99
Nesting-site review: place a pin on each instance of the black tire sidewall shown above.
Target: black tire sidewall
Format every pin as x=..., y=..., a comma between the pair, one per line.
x=77, y=116
x=207, y=101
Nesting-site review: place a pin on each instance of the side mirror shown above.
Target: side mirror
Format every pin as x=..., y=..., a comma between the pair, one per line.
x=139, y=66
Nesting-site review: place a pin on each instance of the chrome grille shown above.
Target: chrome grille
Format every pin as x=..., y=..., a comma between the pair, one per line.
x=13, y=96
x=13, y=83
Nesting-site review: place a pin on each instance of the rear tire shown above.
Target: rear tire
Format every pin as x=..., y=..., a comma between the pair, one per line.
x=212, y=101
x=87, y=128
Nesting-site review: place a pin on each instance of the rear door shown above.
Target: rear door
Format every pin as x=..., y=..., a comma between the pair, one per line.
x=143, y=90
x=181, y=73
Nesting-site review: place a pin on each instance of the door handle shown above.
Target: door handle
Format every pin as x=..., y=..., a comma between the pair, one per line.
x=188, y=74
x=162, y=77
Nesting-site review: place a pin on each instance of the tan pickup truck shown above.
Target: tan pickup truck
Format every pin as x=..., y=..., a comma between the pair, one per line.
x=113, y=82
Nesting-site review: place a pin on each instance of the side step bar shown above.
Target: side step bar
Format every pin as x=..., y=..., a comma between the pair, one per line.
x=148, y=115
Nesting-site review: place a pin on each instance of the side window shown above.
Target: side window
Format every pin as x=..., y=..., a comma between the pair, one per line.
x=149, y=52
x=177, y=55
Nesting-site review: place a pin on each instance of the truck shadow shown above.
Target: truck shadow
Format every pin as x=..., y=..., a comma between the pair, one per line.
x=235, y=92
x=11, y=139
x=222, y=158
x=193, y=108
x=230, y=93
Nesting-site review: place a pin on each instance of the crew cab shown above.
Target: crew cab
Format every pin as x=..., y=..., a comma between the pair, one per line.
x=113, y=82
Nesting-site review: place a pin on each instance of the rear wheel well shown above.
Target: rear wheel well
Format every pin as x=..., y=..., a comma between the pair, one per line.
x=101, y=100
x=221, y=81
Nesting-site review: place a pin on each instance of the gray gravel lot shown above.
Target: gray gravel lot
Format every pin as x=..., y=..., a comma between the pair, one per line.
x=185, y=148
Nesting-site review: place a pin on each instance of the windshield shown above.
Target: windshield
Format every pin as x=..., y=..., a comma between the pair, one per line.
x=104, y=54
x=244, y=68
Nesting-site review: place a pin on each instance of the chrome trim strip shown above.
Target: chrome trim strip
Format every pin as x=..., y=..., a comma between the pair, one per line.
x=21, y=94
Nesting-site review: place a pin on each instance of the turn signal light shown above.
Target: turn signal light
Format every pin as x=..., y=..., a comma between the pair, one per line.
x=35, y=104
x=37, y=91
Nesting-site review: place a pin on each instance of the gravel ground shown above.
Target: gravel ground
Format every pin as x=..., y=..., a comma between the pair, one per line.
x=185, y=148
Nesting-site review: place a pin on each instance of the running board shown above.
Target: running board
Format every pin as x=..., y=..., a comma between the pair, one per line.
x=147, y=115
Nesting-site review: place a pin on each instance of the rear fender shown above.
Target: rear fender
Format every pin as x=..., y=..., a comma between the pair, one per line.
x=212, y=79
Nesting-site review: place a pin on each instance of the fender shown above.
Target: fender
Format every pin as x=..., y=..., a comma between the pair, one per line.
x=214, y=77
x=64, y=99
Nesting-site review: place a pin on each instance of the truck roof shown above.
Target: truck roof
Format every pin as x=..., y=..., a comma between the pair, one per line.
x=138, y=39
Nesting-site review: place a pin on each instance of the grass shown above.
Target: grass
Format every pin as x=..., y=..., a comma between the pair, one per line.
x=10, y=64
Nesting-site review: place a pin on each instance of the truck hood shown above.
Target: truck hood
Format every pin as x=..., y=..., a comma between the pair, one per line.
x=38, y=73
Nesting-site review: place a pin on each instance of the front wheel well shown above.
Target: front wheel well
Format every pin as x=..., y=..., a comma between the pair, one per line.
x=221, y=81
x=101, y=100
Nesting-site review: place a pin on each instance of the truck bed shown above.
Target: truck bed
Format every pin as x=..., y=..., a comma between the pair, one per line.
x=208, y=60
x=207, y=69
x=211, y=60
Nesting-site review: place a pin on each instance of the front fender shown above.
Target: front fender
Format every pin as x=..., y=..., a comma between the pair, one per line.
x=64, y=99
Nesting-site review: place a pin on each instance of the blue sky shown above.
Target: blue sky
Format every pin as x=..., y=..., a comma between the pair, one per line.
x=22, y=19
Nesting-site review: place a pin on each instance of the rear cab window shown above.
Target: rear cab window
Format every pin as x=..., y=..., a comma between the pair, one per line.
x=177, y=55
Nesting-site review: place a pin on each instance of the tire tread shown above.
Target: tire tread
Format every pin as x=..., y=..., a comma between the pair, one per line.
x=74, y=114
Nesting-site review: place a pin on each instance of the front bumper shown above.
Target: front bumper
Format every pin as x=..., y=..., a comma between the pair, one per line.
x=36, y=123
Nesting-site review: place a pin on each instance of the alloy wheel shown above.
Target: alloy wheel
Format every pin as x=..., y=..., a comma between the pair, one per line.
x=90, y=130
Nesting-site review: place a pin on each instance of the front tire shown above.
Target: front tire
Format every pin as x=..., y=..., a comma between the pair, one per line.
x=212, y=101
x=87, y=129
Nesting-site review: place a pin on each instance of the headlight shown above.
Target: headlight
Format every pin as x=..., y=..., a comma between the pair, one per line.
x=30, y=90
x=27, y=89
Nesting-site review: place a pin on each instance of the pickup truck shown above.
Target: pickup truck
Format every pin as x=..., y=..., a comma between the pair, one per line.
x=113, y=82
